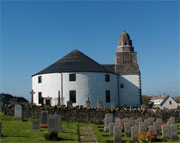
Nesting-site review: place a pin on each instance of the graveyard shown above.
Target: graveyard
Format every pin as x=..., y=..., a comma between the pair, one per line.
x=50, y=126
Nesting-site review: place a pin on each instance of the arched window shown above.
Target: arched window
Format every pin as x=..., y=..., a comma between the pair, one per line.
x=170, y=102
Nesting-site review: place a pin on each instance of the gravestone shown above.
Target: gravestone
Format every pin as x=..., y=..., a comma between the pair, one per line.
x=113, y=106
x=173, y=132
x=157, y=124
x=150, y=120
x=171, y=122
x=18, y=112
x=134, y=133
x=146, y=122
x=100, y=104
x=36, y=125
x=69, y=103
x=0, y=129
x=117, y=120
x=127, y=129
x=54, y=123
x=125, y=120
x=88, y=104
x=108, y=119
x=111, y=126
x=165, y=132
x=131, y=120
x=142, y=127
x=44, y=117
x=117, y=134
x=159, y=120
x=153, y=130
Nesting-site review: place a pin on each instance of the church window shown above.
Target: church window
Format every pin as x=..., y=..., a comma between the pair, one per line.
x=72, y=77
x=121, y=85
x=108, y=98
x=40, y=97
x=72, y=95
x=107, y=78
x=170, y=102
x=39, y=79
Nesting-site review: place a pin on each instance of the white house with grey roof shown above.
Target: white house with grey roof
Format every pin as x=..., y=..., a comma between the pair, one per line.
x=164, y=101
x=78, y=78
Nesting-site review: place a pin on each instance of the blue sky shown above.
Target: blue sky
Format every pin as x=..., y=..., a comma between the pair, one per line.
x=36, y=34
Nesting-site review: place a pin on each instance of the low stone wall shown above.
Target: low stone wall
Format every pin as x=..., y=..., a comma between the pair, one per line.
x=91, y=115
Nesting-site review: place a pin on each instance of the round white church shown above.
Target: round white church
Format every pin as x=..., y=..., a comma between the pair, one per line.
x=78, y=78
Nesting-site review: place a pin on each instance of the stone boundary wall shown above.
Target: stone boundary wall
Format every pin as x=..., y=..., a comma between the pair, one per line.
x=91, y=115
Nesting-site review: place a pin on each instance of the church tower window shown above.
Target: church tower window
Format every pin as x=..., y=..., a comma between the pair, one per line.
x=121, y=85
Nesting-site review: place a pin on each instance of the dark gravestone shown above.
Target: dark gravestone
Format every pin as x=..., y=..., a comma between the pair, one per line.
x=54, y=123
x=117, y=134
x=134, y=133
x=173, y=132
x=18, y=112
x=36, y=125
x=127, y=129
x=44, y=117
x=165, y=132
x=69, y=103
x=158, y=124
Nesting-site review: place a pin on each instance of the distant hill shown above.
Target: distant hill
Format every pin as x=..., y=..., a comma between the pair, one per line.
x=10, y=99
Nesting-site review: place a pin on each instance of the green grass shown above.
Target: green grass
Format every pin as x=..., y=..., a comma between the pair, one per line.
x=18, y=131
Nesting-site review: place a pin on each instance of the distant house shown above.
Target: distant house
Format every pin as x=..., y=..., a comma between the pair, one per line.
x=164, y=101
x=178, y=100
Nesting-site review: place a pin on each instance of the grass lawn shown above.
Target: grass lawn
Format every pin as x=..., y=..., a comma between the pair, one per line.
x=21, y=132
x=18, y=131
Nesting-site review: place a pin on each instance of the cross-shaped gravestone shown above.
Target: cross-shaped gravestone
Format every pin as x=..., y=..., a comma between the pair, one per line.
x=36, y=125
x=18, y=112
x=32, y=95
x=117, y=134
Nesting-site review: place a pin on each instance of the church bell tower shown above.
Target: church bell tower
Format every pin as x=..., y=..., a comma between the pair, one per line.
x=126, y=58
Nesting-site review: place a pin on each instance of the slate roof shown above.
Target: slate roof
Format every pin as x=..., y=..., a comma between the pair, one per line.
x=76, y=61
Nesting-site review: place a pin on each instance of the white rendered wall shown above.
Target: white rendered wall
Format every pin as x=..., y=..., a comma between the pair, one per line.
x=129, y=94
x=174, y=105
x=87, y=84
x=92, y=85
x=51, y=84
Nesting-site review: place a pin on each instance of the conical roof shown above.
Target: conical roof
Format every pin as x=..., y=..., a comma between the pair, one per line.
x=75, y=61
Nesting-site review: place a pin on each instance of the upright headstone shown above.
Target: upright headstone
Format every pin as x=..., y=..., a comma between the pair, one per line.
x=125, y=120
x=88, y=104
x=100, y=104
x=117, y=134
x=134, y=133
x=35, y=125
x=18, y=112
x=69, y=103
x=113, y=106
x=54, y=123
x=142, y=127
x=44, y=117
x=173, y=132
x=153, y=130
x=127, y=129
x=131, y=120
x=157, y=124
x=150, y=120
x=108, y=119
x=165, y=132
x=111, y=126
x=159, y=120
x=117, y=120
